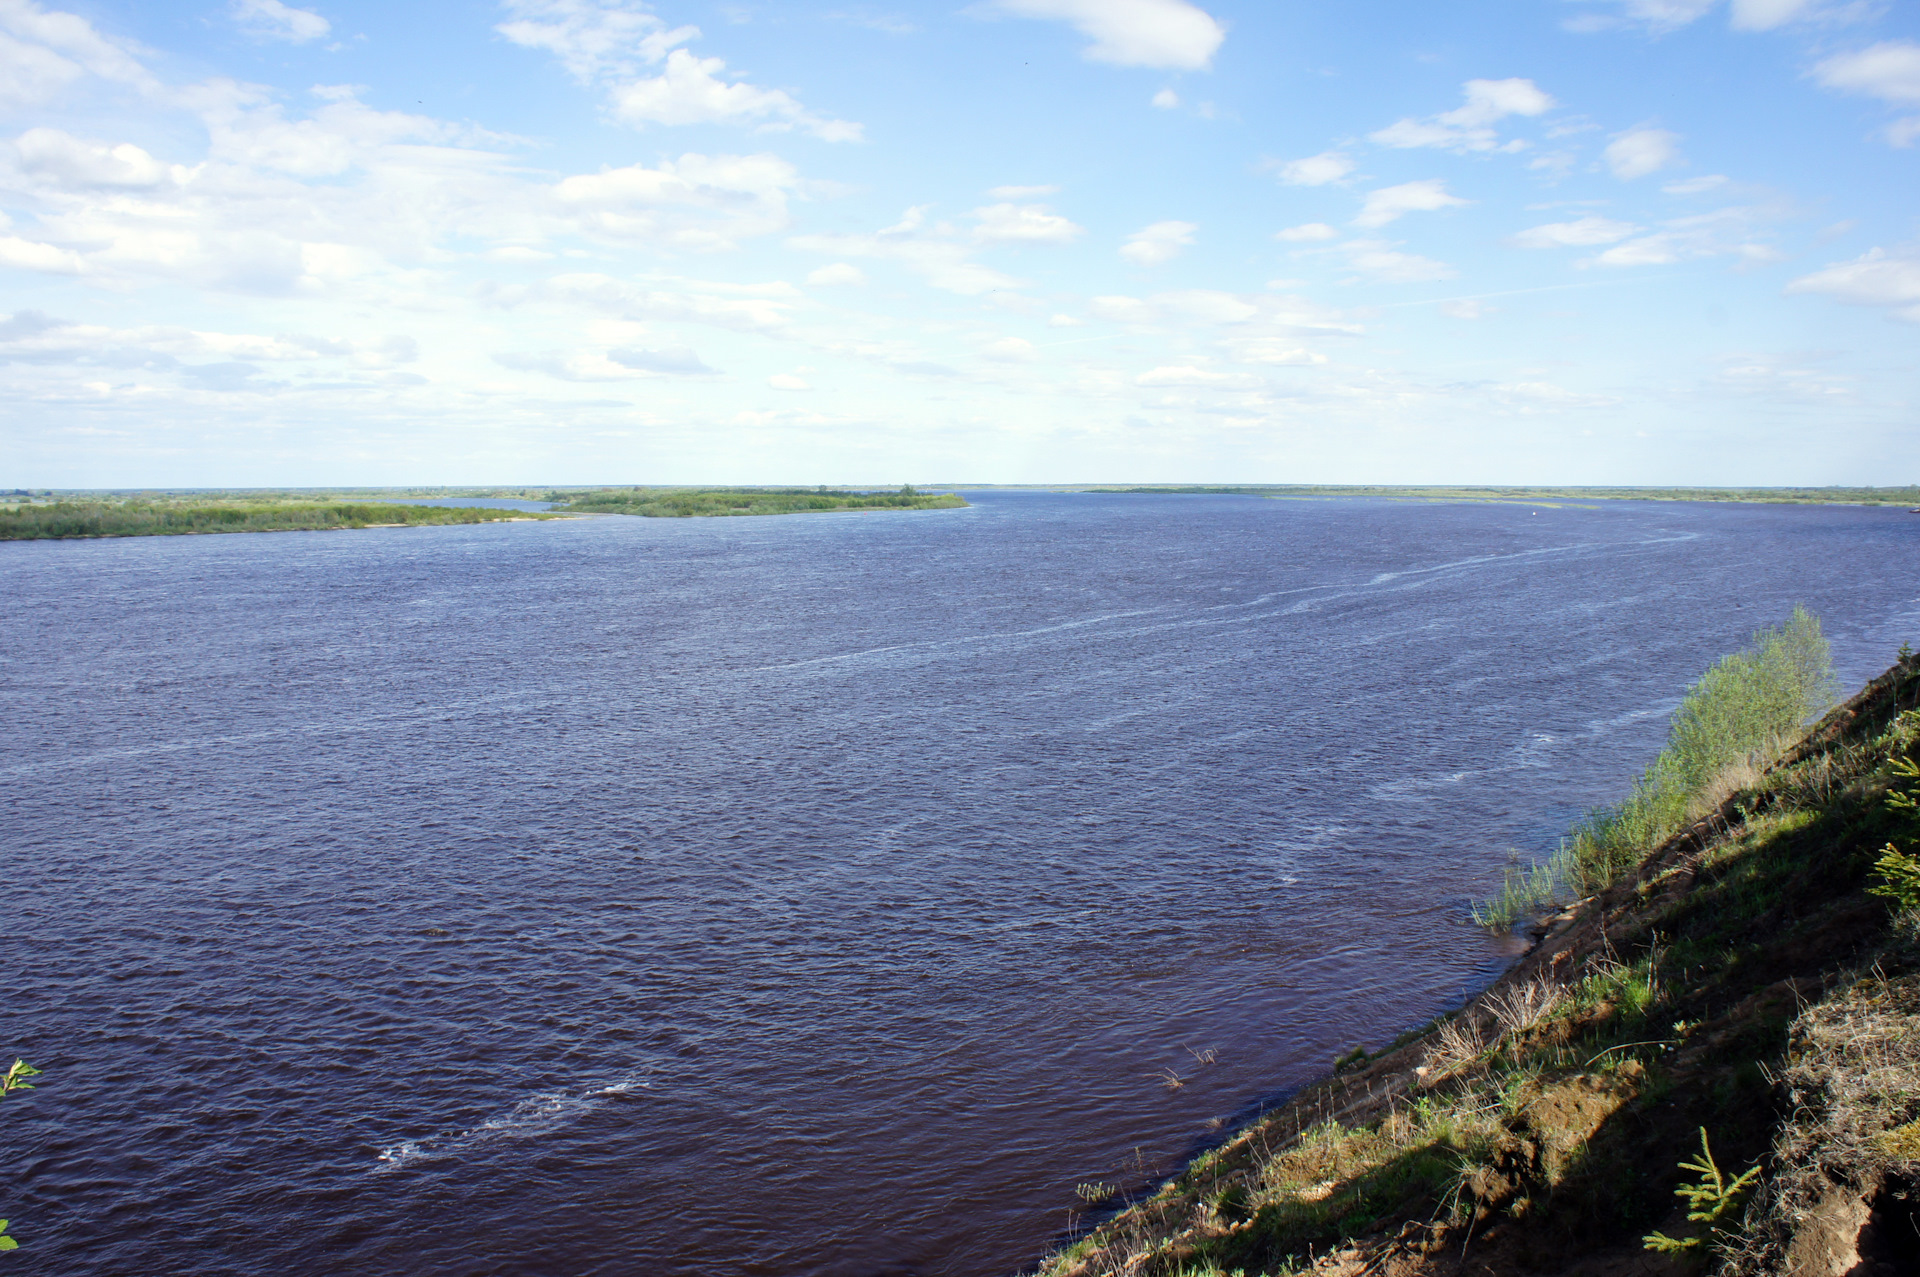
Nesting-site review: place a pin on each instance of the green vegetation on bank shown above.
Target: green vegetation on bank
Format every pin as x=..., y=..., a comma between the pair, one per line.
x=1730, y=723
x=62, y=519
x=1711, y=1063
x=682, y=503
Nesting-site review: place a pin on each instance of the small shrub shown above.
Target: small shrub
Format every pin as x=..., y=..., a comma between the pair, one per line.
x=1899, y=878
x=1711, y=1200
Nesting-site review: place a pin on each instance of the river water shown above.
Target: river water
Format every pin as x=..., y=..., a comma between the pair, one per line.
x=811, y=895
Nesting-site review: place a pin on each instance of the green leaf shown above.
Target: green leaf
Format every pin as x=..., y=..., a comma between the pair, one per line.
x=7, y=1243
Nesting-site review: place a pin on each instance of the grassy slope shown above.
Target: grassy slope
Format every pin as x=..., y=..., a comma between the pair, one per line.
x=172, y=518
x=1539, y=1130
x=697, y=502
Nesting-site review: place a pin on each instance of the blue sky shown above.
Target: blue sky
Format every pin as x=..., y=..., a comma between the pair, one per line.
x=579, y=241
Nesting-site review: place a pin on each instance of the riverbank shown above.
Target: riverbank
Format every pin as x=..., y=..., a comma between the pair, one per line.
x=1743, y=983
x=65, y=520
x=685, y=503
x=1906, y=496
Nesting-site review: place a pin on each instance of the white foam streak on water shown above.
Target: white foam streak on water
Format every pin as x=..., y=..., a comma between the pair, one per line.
x=531, y=1118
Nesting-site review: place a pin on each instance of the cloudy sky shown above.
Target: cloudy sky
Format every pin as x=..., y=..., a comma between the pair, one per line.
x=577, y=241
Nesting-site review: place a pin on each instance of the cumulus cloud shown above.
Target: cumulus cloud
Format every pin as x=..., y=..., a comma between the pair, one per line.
x=1307, y=233
x=1010, y=350
x=1877, y=278
x=1379, y=262
x=593, y=38
x=690, y=91
x=1642, y=151
x=642, y=302
x=696, y=202
x=610, y=42
x=1465, y=308
x=1010, y=223
x=1390, y=203
x=836, y=274
x=1193, y=376
x=936, y=254
x=1889, y=71
x=671, y=361
x=1137, y=33
x=1468, y=126
x=1586, y=232
x=788, y=381
x=75, y=163
x=1658, y=16
x=1158, y=244
x=1316, y=170
x=1726, y=232
x=272, y=20
x=1166, y=99
x=43, y=52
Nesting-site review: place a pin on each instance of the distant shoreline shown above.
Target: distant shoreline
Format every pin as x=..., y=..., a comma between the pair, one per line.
x=1907, y=496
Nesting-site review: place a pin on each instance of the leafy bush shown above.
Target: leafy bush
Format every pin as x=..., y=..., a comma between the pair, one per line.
x=1740, y=713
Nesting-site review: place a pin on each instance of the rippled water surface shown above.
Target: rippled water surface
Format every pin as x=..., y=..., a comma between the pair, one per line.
x=794, y=895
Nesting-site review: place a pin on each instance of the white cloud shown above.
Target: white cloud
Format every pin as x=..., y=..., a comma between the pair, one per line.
x=1166, y=99
x=70, y=162
x=697, y=202
x=1696, y=185
x=1010, y=350
x=1011, y=223
x=42, y=52
x=1138, y=33
x=1467, y=126
x=593, y=38
x=787, y=381
x=1392, y=202
x=1379, y=262
x=24, y=254
x=1889, y=71
x=272, y=20
x=837, y=273
x=1158, y=244
x=1316, y=170
x=1189, y=375
x=1642, y=151
x=1306, y=233
x=1586, y=232
x=1876, y=278
x=691, y=92
x=1766, y=15
x=678, y=361
x=1066, y=321
x=608, y=42
x=1726, y=232
x=1659, y=16
x=639, y=302
x=936, y=255
x=1904, y=132
x=1466, y=308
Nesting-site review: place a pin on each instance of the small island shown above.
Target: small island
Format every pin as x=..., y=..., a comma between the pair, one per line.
x=70, y=518
x=688, y=503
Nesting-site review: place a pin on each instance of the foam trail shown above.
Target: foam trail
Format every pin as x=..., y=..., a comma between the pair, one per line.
x=531, y=1117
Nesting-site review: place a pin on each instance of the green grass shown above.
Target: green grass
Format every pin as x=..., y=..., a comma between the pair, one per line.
x=68, y=519
x=684, y=503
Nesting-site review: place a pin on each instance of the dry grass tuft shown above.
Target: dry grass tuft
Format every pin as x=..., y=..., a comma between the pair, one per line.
x=1853, y=1084
x=1521, y=1006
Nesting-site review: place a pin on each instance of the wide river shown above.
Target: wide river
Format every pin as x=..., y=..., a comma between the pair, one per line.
x=826, y=894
